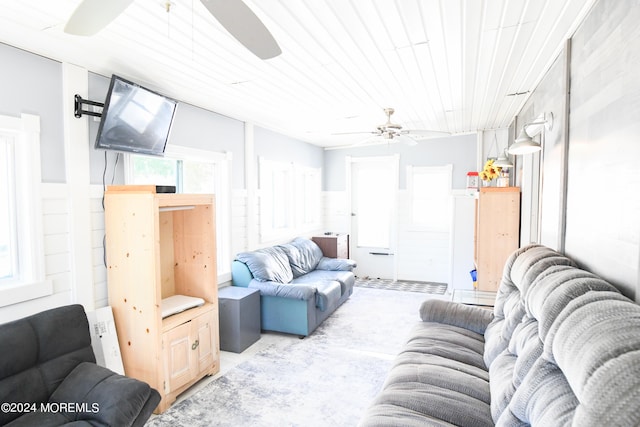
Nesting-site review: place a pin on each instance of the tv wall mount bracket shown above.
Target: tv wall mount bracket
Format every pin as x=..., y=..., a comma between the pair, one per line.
x=79, y=102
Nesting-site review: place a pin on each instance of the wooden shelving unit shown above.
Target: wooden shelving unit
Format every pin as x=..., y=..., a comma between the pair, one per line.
x=159, y=245
x=497, y=233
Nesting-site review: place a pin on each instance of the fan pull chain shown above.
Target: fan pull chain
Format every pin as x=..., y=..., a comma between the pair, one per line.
x=167, y=7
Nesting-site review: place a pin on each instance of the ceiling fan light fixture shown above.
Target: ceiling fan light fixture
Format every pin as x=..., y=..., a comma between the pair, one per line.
x=393, y=131
x=388, y=125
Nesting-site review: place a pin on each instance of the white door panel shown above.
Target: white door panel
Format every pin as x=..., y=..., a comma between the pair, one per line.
x=374, y=183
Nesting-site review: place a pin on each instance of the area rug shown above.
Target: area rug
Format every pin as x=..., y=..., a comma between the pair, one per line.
x=435, y=288
x=326, y=379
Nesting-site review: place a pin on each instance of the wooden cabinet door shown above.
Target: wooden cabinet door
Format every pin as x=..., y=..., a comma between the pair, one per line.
x=203, y=330
x=189, y=350
x=179, y=357
x=497, y=233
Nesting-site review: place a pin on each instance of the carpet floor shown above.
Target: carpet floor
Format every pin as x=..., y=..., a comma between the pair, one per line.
x=403, y=285
x=326, y=379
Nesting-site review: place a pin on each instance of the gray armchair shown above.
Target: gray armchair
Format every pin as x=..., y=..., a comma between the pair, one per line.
x=48, y=376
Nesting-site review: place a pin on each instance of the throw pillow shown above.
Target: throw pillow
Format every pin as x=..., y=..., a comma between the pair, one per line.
x=268, y=264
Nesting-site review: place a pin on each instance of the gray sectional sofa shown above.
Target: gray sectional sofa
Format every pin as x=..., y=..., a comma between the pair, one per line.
x=299, y=287
x=562, y=347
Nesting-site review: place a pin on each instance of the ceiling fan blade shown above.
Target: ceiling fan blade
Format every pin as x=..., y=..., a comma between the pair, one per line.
x=93, y=15
x=245, y=26
x=355, y=133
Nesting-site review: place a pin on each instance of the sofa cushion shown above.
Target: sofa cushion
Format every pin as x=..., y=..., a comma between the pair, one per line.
x=564, y=346
x=22, y=339
x=345, y=278
x=438, y=379
x=469, y=317
x=121, y=398
x=327, y=295
x=46, y=419
x=93, y=396
x=303, y=254
x=283, y=290
x=449, y=342
x=268, y=264
x=522, y=268
x=337, y=264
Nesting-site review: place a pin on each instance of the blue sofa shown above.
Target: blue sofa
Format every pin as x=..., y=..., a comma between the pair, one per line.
x=299, y=287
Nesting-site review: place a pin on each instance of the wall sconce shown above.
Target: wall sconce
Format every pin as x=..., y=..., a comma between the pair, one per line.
x=503, y=161
x=524, y=143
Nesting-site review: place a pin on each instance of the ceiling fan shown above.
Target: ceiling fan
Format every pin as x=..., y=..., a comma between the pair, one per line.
x=234, y=15
x=394, y=131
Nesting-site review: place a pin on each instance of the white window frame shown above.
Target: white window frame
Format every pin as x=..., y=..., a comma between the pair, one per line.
x=223, y=162
x=300, y=193
x=411, y=171
x=267, y=169
x=308, y=182
x=31, y=282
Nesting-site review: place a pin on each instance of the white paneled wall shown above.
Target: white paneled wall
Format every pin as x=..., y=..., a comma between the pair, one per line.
x=100, y=289
x=422, y=253
x=55, y=227
x=336, y=213
x=239, y=235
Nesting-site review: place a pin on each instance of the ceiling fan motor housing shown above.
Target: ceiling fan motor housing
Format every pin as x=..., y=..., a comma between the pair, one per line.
x=389, y=128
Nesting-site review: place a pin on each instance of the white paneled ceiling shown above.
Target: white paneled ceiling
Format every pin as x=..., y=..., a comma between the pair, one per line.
x=450, y=65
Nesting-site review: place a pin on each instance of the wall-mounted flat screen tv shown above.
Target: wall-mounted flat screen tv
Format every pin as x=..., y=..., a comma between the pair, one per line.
x=135, y=119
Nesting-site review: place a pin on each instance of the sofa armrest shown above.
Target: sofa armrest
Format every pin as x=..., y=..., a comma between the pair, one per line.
x=336, y=264
x=284, y=290
x=240, y=274
x=100, y=396
x=469, y=317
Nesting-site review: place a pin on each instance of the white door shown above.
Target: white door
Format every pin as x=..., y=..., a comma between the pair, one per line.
x=374, y=183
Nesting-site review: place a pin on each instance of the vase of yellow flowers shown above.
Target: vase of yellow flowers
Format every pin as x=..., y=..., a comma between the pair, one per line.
x=489, y=172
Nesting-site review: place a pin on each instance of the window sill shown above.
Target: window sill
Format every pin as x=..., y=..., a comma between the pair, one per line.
x=20, y=292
